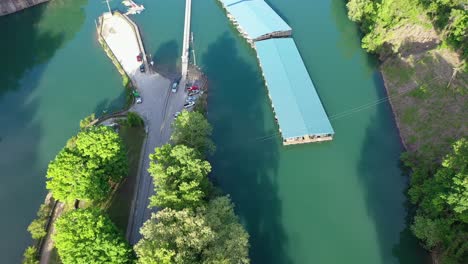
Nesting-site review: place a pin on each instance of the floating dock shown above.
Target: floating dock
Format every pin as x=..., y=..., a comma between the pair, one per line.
x=296, y=104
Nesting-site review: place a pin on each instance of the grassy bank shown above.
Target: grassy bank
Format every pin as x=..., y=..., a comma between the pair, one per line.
x=423, y=46
x=121, y=202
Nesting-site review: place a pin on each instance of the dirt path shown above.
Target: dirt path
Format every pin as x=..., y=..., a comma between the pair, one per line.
x=48, y=245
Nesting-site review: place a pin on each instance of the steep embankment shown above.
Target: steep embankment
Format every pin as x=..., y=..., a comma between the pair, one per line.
x=423, y=47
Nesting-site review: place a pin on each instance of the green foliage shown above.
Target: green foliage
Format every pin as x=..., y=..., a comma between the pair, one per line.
x=442, y=198
x=30, y=256
x=89, y=236
x=209, y=234
x=87, y=121
x=420, y=92
x=134, y=120
x=125, y=81
x=231, y=243
x=193, y=130
x=180, y=177
x=85, y=171
x=377, y=18
x=37, y=228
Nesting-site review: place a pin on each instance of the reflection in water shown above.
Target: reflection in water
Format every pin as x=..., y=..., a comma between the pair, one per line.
x=347, y=42
x=30, y=39
x=247, y=172
x=34, y=35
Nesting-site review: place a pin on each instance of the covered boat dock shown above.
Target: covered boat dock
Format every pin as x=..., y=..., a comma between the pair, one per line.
x=297, y=106
x=255, y=19
x=298, y=110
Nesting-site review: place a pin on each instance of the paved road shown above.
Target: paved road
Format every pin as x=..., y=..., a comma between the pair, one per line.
x=158, y=109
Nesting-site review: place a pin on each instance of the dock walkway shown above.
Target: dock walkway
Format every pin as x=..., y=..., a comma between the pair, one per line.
x=186, y=39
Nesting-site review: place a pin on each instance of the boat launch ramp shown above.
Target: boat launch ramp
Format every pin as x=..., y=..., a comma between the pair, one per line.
x=296, y=104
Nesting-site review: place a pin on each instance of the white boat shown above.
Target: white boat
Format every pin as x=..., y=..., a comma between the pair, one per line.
x=133, y=8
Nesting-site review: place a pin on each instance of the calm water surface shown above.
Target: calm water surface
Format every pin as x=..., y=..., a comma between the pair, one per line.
x=336, y=202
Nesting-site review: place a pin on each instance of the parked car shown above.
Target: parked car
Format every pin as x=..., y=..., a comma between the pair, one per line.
x=176, y=114
x=193, y=88
x=138, y=100
x=190, y=99
x=174, y=87
x=139, y=57
x=189, y=104
x=194, y=92
x=142, y=68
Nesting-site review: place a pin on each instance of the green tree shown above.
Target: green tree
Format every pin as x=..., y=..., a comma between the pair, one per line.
x=180, y=177
x=89, y=236
x=231, y=241
x=104, y=149
x=209, y=234
x=442, y=199
x=30, y=256
x=85, y=170
x=193, y=130
x=37, y=228
x=86, y=122
x=173, y=237
x=134, y=120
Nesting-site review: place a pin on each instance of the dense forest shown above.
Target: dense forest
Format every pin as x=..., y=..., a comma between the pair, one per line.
x=423, y=47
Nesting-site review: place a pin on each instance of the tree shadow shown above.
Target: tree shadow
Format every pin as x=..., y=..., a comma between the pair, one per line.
x=347, y=30
x=245, y=169
x=28, y=44
x=382, y=178
x=166, y=58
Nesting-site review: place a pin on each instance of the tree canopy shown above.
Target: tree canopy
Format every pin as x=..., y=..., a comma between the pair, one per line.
x=377, y=18
x=180, y=177
x=30, y=256
x=193, y=130
x=84, y=168
x=89, y=236
x=442, y=199
x=209, y=234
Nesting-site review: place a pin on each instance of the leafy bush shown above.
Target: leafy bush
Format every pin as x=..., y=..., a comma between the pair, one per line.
x=89, y=236
x=134, y=120
x=85, y=171
x=30, y=256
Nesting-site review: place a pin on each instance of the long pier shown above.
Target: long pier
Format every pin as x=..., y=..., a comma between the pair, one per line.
x=186, y=40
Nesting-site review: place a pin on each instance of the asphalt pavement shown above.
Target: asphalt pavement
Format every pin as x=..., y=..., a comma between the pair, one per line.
x=157, y=109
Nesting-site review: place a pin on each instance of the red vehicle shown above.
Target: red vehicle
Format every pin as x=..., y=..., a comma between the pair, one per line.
x=139, y=57
x=193, y=88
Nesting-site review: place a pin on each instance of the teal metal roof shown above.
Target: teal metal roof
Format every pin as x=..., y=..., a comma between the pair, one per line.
x=295, y=100
x=255, y=17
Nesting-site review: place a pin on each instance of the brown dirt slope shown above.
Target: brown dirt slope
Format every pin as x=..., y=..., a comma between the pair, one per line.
x=428, y=91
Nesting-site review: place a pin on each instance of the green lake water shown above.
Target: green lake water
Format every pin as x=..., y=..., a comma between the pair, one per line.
x=336, y=202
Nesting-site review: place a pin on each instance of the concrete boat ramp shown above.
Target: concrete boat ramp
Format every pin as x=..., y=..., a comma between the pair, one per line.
x=158, y=106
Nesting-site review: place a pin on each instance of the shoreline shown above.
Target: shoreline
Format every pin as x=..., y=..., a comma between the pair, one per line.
x=392, y=107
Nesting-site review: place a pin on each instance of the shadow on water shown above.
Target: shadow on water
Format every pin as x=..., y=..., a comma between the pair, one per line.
x=246, y=171
x=348, y=31
x=30, y=39
x=386, y=186
x=107, y=106
x=166, y=58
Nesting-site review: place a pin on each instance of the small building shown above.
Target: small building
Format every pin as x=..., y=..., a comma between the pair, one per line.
x=296, y=104
x=255, y=19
